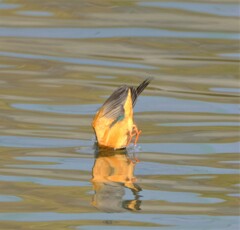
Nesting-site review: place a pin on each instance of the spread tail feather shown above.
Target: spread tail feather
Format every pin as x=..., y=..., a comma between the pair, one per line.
x=137, y=91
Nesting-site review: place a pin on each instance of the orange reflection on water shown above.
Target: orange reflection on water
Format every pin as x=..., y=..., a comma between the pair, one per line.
x=113, y=171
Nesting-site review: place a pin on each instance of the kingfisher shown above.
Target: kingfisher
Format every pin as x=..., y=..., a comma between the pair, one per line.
x=113, y=123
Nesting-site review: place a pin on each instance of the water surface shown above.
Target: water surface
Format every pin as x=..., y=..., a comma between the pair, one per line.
x=60, y=60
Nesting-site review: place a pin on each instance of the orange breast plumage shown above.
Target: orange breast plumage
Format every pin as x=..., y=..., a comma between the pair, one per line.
x=113, y=123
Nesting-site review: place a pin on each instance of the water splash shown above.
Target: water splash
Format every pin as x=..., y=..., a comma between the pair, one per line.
x=134, y=148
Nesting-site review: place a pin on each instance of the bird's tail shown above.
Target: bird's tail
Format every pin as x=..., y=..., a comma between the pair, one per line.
x=143, y=85
x=137, y=91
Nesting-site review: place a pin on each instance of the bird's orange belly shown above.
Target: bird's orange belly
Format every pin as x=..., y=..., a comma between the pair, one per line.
x=116, y=136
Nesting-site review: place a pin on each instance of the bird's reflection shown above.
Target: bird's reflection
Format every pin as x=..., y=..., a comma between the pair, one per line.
x=112, y=172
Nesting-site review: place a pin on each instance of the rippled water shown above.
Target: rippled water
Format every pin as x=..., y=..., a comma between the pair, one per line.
x=59, y=61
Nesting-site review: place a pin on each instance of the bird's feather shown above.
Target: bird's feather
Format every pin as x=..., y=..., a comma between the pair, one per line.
x=135, y=92
x=113, y=107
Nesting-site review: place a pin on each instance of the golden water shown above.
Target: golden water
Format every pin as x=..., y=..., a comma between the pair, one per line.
x=59, y=60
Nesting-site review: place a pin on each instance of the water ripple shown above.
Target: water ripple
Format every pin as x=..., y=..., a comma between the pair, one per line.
x=176, y=222
x=142, y=169
x=7, y=198
x=226, y=90
x=175, y=197
x=40, y=142
x=196, y=124
x=35, y=13
x=221, y=9
x=6, y=6
x=84, y=33
x=191, y=148
x=81, y=61
x=43, y=181
x=145, y=104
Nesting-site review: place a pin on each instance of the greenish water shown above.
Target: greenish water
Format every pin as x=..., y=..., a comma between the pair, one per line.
x=60, y=60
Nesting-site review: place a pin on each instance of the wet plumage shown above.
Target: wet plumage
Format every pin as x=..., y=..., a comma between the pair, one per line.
x=113, y=124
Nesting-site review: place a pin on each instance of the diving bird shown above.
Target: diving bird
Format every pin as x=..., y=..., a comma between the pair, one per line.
x=113, y=123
